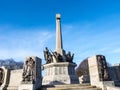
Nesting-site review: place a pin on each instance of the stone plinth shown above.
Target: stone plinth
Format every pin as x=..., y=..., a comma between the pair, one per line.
x=60, y=73
x=95, y=73
x=31, y=76
x=93, y=70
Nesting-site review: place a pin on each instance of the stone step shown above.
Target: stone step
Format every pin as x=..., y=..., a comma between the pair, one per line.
x=12, y=88
x=74, y=88
x=66, y=85
x=71, y=87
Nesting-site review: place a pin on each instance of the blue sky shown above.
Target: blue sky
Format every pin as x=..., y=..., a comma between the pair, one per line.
x=89, y=27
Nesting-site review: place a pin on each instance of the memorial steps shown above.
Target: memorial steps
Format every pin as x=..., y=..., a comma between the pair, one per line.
x=71, y=87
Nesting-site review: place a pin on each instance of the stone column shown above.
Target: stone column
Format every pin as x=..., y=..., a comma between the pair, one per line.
x=59, y=45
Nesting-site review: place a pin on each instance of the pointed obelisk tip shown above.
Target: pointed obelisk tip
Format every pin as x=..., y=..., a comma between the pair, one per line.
x=57, y=16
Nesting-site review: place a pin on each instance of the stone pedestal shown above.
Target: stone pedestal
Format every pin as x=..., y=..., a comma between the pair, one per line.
x=60, y=73
x=95, y=73
x=32, y=79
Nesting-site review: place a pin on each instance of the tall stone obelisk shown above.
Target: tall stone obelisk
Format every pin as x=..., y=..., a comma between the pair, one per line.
x=59, y=44
x=59, y=71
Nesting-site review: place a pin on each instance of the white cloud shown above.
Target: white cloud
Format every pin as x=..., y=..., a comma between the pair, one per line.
x=114, y=51
x=83, y=39
x=92, y=39
x=19, y=43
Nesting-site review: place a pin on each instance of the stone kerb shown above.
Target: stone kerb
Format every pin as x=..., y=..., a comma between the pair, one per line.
x=112, y=88
x=4, y=76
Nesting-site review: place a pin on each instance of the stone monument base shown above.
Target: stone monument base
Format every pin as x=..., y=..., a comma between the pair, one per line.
x=104, y=84
x=95, y=72
x=27, y=87
x=60, y=73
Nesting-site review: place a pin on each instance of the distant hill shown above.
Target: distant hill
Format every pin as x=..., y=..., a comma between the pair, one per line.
x=83, y=69
x=11, y=64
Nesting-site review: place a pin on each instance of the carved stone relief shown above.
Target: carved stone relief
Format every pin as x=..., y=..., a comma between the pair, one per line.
x=102, y=68
x=2, y=74
x=28, y=70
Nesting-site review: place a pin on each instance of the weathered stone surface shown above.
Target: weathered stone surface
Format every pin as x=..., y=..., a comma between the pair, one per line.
x=27, y=87
x=31, y=76
x=2, y=74
x=4, y=78
x=112, y=88
x=71, y=87
x=59, y=45
x=95, y=74
x=115, y=74
x=60, y=73
x=15, y=79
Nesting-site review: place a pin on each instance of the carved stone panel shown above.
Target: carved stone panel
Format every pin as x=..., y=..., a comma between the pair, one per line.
x=102, y=68
x=29, y=70
x=2, y=75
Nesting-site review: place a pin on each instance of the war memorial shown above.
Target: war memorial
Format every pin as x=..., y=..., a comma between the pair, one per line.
x=59, y=71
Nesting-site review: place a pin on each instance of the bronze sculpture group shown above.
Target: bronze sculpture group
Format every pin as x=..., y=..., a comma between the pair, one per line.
x=49, y=56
